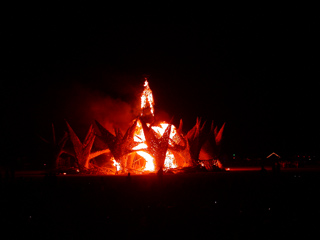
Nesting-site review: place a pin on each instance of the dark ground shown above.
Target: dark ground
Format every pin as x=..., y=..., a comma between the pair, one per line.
x=224, y=205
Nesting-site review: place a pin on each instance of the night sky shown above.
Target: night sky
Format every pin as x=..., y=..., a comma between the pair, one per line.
x=253, y=69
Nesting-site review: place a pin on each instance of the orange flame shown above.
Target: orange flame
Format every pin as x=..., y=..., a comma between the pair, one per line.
x=140, y=138
x=116, y=164
x=147, y=98
x=141, y=149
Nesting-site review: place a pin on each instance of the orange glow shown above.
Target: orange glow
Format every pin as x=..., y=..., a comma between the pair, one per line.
x=147, y=98
x=140, y=138
x=148, y=102
x=167, y=150
x=149, y=161
x=163, y=126
x=116, y=164
x=170, y=160
x=148, y=145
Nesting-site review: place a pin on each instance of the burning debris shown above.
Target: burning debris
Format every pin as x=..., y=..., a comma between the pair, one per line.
x=147, y=146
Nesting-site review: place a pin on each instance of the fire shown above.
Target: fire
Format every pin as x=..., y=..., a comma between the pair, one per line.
x=148, y=102
x=147, y=145
x=163, y=126
x=149, y=161
x=166, y=150
x=170, y=160
x=147, y=98
x=116, y=164
x=139, y=137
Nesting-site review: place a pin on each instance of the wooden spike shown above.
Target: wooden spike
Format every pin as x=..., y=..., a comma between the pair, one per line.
x=212, y=127
x=198, y=122
x=201, y=129
x=89, y=135
x=82, y=151
x=215, y=131
x=104, y=132
x=180, y=126
x=219, y=135
x=98, y=153
x=74, y=138
x=43, y=139
x=64, y=138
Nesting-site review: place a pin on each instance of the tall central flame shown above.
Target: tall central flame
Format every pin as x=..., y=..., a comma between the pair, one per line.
x=147, y=98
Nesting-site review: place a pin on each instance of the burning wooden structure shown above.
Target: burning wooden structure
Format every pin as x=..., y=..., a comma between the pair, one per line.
x=147, y=146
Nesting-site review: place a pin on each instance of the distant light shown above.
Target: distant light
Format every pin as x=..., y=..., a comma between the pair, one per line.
x=44, y=164
x=64, y=173
x=227, y=169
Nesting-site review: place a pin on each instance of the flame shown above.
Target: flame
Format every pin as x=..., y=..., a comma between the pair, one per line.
x=149, y=161
x=170, y=160
x=147, y=102
x=116, y=164
x=140, y=138
x=147, y=98
x=163, y=126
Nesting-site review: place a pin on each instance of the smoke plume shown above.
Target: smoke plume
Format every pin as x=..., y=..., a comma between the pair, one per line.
x=80, y=106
